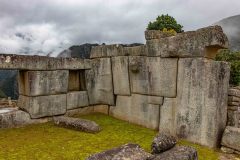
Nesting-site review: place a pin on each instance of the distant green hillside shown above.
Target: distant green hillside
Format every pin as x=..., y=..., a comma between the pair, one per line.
x=2, y=94
x=8, y=83
x=234, y=59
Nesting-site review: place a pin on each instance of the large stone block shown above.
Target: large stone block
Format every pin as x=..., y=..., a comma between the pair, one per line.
x=198, y=113
x=36, y=83
x=136, y=51
x=24, y=62
x=13, y=118
x=153, y=75
x=124, y=152
x=101, y=109
x=177, y=153
x=99, y=82
x=167, y=121
x=136, y=109
x=76, y=99
x=233, y=99
x=232, y=118
x=79, y=111
x=156, y=34
x=120, y=75
x=231, y=138
x=43, y=106
x=200, y=43
x=234, y=92
x=77, y=124
x=107, y=51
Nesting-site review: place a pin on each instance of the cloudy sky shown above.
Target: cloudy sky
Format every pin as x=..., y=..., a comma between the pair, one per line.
x=49, y=26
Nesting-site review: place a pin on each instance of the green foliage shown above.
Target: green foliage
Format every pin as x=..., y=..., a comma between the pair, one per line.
x=170, y=32
x=234, y=59
x=165, y=21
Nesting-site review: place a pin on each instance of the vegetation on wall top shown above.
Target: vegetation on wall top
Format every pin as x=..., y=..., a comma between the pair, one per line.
x=234, y=59
x=165, y=23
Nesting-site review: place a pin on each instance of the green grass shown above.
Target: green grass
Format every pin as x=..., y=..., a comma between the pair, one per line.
x=46, y=141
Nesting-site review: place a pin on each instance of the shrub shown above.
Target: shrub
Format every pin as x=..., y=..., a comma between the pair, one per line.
x=234, y=59
x=165, y=22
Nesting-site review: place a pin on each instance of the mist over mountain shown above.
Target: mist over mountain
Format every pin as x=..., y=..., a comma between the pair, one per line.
x=231, y=27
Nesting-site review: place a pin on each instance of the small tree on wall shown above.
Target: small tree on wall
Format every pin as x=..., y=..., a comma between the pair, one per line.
x=165, y=23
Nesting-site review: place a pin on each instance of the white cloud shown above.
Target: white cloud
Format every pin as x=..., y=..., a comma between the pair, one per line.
x=39, y=39
x=53, y=25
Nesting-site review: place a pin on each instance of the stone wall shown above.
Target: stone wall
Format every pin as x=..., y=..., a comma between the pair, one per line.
x=169, y=84
x=234, y=107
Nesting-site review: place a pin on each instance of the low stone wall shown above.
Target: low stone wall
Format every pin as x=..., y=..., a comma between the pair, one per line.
x=231, y=140
x=234, y=107
x=169, y=84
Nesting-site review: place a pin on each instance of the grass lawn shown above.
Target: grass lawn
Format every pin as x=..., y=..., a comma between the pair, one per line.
x=46, y=141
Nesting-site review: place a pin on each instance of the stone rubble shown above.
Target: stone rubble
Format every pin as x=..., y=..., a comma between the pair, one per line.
x=124, y=152
x=162, y=142
x=231, y=139
x=77, y=124
x=177, y=153
x=233, y=113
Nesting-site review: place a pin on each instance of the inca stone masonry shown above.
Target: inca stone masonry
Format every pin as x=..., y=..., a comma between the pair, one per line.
x=169, y=84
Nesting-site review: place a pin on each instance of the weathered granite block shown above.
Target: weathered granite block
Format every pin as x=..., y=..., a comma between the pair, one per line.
x=36, y=83
x=233, y=118
x=233, y=99
x=43, y=106
x=124, y=152
x=200, y=43
x=101, y=109
x=153, y=75
x=162, y=142
x=177, y=153
x=13, y=118
x=168, y=116
x=107, y=51
x=136, y=50
x=77, y=124
x=99, y=82
x=156, y=34
x=234, y=92
x=79, y=111
x=76, y=99
x=231, y=138
x=155, y=100
x=24, y=62
x=136, y=109
x=233, y=103
x=198, y=113
x=202, y=100
x=120, y=75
